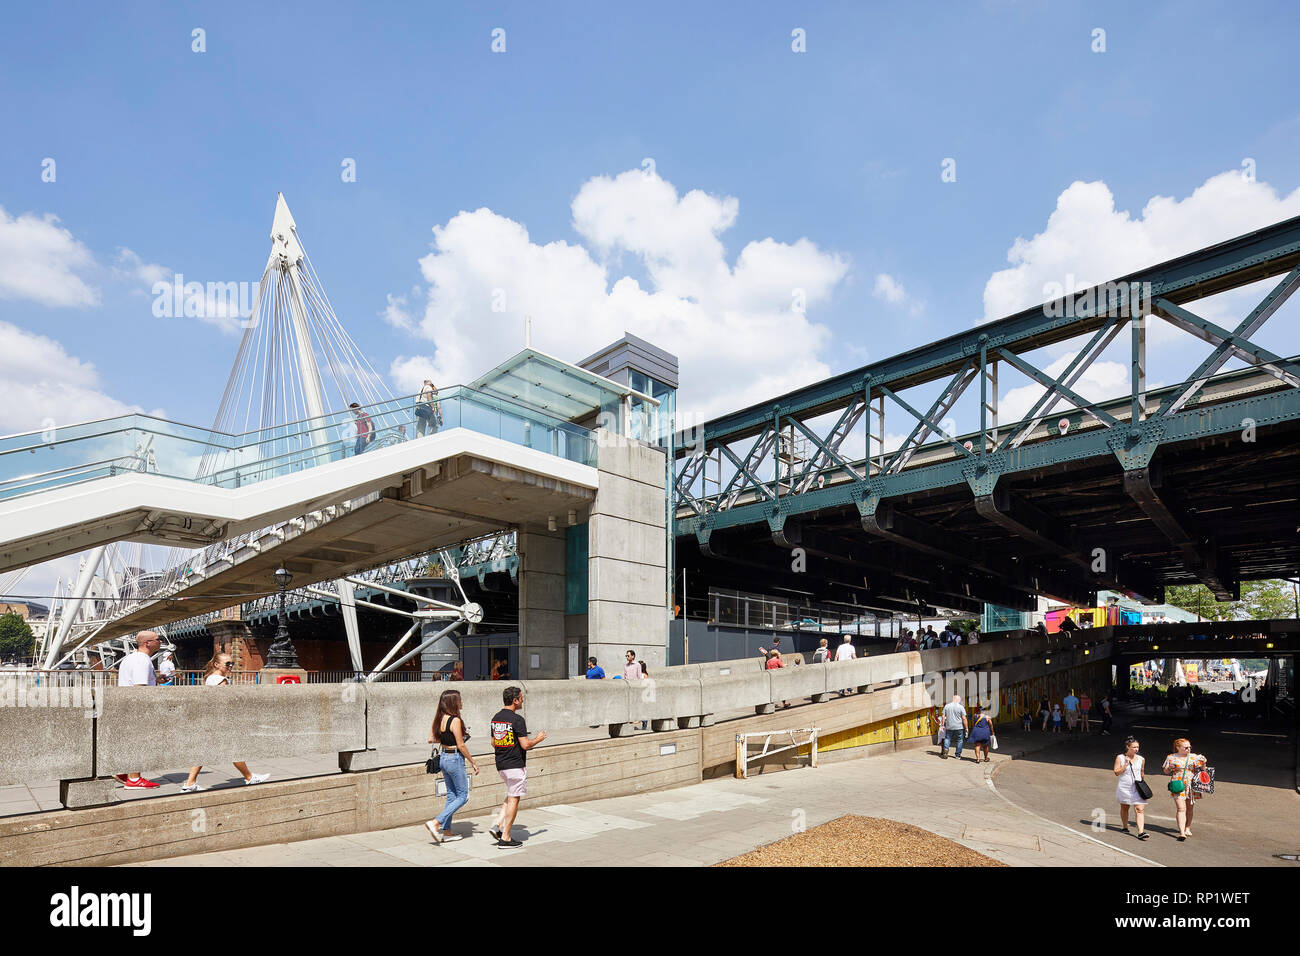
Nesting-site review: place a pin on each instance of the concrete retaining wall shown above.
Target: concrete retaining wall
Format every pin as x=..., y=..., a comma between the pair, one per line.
x=292, y=810
x=137, y=727
x=182, y=726
x=42, y=742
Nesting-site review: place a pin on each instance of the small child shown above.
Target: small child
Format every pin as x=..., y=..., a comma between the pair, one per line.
x=1027, y=721
x=1056, y=718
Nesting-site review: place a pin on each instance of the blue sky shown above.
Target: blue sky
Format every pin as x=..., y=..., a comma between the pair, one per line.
x=177, y=156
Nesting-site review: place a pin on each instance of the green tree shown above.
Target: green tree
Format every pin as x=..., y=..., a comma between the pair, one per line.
x=16, y=639
x=1267, y=600
x=964, y=624
x=1198, y=599
x=1260, y=600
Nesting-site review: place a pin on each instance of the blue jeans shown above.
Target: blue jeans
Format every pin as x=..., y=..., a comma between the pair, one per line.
x=957, y=735
x=453, y=773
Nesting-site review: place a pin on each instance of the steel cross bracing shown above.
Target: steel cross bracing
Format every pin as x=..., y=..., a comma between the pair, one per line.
x=1122, y=429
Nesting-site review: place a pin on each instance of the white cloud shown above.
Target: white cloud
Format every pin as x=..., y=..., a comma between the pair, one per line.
x=223, y=305
x=737, y=330
x=397, y=313
x=889, y=289
x=39, y=380
x=130, y=266
x=1088, y=238
x=43, y=262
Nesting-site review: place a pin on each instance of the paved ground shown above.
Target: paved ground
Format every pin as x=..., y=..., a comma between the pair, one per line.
x=1253, y=814
x=719, y=819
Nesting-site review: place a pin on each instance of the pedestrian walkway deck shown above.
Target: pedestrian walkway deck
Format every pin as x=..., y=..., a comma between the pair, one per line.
x=716, y=820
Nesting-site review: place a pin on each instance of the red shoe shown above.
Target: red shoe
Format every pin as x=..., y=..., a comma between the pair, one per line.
x=140, y=782
x=121, y=777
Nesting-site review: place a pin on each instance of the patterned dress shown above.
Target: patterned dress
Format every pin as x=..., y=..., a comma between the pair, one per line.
x=1184, y=768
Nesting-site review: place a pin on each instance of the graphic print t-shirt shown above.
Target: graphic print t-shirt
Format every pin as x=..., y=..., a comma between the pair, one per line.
x=507, y=729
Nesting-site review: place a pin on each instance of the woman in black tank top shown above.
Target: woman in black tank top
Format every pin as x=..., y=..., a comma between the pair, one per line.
x=451, y=732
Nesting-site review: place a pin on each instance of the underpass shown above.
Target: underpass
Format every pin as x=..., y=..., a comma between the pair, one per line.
x=1250, y=820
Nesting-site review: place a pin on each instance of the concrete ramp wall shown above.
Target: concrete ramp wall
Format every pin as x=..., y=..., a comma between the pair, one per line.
x=696, y=719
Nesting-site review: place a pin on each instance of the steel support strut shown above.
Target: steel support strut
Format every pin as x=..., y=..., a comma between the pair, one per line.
x=1238, y=345
x=1199, y=557
x=1248, y=327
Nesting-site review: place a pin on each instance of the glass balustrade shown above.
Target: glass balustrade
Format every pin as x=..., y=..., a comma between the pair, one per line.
x=60, y=456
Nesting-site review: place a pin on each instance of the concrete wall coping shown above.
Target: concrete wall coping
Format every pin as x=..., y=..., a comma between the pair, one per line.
x=120, y=729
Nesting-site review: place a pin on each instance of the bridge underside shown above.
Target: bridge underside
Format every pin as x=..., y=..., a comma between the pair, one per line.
x=469, y=498
x=1203, y=640
x=1216, y=510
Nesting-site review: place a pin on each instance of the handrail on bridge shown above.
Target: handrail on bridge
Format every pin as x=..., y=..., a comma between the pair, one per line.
x=142, y=443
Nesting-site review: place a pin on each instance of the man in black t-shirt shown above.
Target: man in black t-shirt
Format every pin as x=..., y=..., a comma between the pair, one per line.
x=510, y=744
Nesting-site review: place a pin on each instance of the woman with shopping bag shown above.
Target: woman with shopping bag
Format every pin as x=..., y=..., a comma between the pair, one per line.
x=981, y=733
x=1184, y=768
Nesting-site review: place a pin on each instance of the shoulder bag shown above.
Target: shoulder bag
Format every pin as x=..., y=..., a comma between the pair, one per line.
x=1176, y=786
x=1139, y=784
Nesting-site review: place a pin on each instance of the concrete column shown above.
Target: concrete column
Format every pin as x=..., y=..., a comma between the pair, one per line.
x=541, y=603
x=627, y=555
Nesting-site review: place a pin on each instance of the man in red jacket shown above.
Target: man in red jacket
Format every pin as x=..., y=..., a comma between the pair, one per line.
x=365, y=430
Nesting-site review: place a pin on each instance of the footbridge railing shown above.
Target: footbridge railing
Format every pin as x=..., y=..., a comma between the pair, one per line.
x=61, y=455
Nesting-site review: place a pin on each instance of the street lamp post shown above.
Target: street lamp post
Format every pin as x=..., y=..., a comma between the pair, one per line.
x=283, y=653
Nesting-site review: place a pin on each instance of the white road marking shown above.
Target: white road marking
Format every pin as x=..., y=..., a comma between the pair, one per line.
x=989, y=781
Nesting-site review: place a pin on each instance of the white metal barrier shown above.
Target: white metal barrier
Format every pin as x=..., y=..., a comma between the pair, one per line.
x=743, y=756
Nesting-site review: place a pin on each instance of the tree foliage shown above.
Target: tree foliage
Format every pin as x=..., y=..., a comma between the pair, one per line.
x=16, y=639
x=1260, y=600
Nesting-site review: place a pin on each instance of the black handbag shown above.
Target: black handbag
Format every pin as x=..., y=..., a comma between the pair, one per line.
x=1140, y=784
x=434, y=763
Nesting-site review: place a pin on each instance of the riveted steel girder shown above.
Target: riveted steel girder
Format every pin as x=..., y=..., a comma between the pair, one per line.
x=1199, y=555
x=1248, y=327
x=1228, y=265
x=942, y=405
x=1192, y=423
x=1092, y=408
x=1239, y=346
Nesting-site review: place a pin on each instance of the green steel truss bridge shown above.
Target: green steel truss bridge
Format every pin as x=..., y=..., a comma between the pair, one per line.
x=1197, y=481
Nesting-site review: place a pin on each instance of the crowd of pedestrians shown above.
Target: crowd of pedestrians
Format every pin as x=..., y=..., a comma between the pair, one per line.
x=951, y=636
x=1074, y=714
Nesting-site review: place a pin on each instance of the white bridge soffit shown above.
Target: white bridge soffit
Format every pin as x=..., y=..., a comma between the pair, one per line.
x=143, y=507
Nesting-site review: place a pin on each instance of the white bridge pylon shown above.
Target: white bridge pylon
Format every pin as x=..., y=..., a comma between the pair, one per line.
x=276, y=380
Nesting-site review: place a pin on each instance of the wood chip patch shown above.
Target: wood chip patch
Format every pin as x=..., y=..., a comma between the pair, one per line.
x=863, y=841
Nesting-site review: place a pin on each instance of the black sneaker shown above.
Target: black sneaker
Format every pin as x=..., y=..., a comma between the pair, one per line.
x=495, y=831
x=509, y=843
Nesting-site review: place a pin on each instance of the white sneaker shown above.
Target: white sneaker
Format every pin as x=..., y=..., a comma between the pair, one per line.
x=258, y=778
x=432, y=827
x=190, y=789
